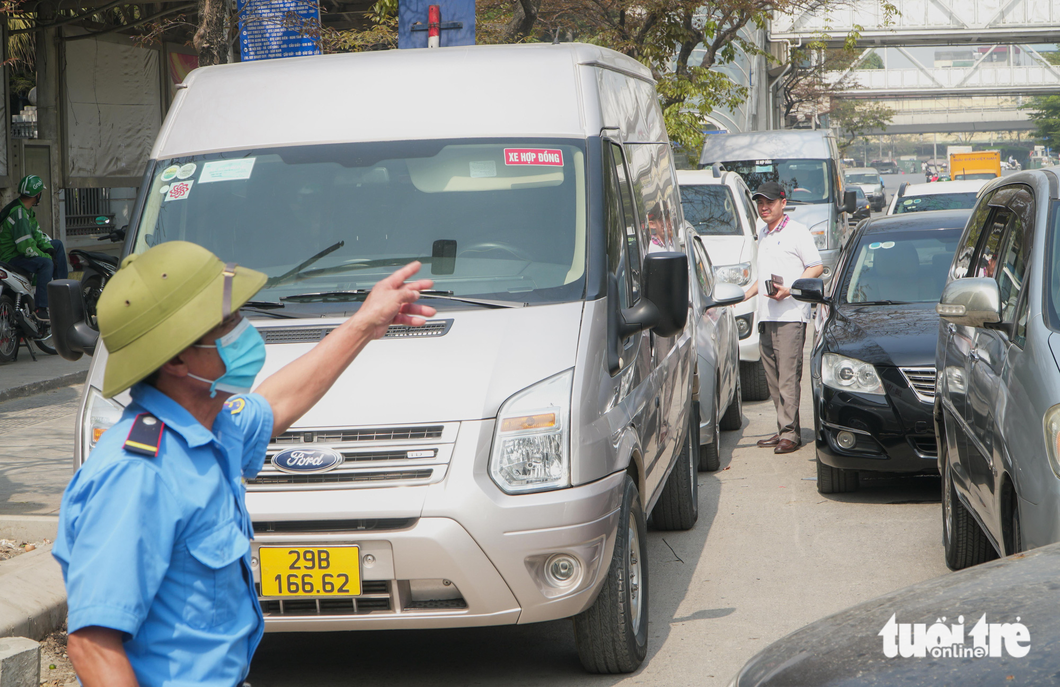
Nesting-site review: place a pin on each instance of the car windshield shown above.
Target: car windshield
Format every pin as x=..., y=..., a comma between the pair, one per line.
x=938, y=201
x=710, y=210
x=862, y=179
x=859, y=193
x=806, y=181
x=500, y=220
x=901, y=267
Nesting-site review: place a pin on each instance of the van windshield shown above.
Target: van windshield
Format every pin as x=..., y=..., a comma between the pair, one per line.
x=806, y=181
x=498, y=220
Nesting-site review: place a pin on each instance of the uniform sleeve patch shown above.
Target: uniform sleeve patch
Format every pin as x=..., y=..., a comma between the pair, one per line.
x=235, y=405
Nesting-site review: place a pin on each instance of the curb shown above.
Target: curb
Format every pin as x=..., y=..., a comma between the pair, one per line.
x=33, y=603
x=43, y=385
x=29, y=528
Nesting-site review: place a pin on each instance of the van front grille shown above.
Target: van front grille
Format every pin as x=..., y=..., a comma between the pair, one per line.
x=375, y=598
x=295, y=335
x=335, y=477
x=315, y=526
x=334, y=436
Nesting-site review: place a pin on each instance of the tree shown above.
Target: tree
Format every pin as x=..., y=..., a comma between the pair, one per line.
x=1045, y=111
x=854, y=118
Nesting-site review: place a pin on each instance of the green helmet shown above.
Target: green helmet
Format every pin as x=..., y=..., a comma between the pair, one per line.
x=31, y=185
x=163, y=301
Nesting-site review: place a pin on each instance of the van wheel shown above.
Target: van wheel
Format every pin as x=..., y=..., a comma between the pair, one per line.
x=612, y=634
x=733, y=417
x=753, y=381
x=678, y=505
x=832, y=480
x=710, y=454
x=964, y=541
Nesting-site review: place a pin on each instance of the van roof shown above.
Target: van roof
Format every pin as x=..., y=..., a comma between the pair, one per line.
x=463, y=92
x=784, y=144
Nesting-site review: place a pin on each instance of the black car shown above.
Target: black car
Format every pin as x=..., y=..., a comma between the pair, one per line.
x=996, y=624
x=873, y=363
x=864, y=210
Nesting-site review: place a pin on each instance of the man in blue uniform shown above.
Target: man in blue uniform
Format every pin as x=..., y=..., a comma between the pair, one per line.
x=154, y=536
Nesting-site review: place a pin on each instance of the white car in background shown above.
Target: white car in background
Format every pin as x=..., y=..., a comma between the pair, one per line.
x=718, y=205
x=940, y=195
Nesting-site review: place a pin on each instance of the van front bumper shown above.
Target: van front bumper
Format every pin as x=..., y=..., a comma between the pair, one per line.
x=484, y=567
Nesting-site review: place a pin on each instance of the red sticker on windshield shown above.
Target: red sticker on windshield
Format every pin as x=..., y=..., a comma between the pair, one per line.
x=533, y=156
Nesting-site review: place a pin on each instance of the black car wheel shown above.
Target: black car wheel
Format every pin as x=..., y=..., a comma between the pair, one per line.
x=710, y=454
x=678, y=505
x=832, y=480
x=612, y=634
x=753, y=381
x=964, y=541
x=733, y=417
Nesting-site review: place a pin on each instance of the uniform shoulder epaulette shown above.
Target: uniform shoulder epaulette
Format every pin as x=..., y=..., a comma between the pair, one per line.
x=145, y=437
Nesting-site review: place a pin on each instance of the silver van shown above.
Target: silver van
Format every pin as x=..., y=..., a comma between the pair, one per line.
x=806, y=164
x=497, y=465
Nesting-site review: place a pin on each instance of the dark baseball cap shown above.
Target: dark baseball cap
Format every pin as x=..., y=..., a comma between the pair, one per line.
x=770, y=190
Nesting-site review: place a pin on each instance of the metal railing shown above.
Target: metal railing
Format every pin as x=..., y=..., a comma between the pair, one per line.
x=83, y=206
x=23, y=130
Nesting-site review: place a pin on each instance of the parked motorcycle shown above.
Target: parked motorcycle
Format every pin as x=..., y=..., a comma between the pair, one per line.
x=96, y=269
x=17, y=321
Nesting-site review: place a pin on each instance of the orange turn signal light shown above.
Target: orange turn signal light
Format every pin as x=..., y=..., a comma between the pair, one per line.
x=528, y=422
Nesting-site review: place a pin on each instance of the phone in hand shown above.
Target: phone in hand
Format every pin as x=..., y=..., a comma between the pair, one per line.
x=771, y=289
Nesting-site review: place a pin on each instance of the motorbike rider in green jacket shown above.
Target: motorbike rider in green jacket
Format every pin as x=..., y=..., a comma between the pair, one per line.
x=23, y=245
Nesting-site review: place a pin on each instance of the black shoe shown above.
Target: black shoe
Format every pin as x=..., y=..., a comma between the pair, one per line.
x=42, y=315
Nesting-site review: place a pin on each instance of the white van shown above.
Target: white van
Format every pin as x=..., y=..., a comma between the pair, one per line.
x=496, y=466
x=806, y=164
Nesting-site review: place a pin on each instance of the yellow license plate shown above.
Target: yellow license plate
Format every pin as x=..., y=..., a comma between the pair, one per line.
x=310, y=571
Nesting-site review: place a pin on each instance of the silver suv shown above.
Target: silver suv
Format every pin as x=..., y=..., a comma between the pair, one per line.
x=997, y=408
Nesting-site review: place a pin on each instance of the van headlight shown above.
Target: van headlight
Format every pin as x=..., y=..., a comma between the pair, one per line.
x=531, y=445
x=99, y=415
x=734, y=274
x=848, y=374
x=1052, y=436
x=819, y=232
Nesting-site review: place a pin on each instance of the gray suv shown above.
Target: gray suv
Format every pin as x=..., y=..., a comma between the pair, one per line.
x=997, y=407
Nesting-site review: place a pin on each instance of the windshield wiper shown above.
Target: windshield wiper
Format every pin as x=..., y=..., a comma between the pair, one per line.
x=881, y=303
x=361, y=294
x=290, y=274
x=448, y=296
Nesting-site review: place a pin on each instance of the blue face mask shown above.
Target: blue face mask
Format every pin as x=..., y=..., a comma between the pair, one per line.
x=242, y=350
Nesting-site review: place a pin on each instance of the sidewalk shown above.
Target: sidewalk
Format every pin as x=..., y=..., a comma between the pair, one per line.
x=24, y=377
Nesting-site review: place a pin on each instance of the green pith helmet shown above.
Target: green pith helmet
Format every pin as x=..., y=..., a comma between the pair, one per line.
x=31, y=185
x=163, y=301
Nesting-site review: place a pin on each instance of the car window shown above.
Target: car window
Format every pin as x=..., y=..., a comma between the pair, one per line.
x=990, y=244
x=704, y=271
x=614, y=217
x=1011, y=268
x=975, y=229
x=859, y=193
x=907, y=267
x=938, y=201
x=862, y=179
x=629, y=221
x=710, y=210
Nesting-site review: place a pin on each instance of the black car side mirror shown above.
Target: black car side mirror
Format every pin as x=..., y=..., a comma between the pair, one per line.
x=850, y=202
x=663, y=305
x=809, y=291
x=71, y=334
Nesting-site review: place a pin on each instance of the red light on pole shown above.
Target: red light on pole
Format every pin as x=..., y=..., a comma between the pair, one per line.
x=434, y=25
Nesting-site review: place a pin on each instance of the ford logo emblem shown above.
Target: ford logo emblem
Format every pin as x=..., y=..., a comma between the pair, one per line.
x=300, y=460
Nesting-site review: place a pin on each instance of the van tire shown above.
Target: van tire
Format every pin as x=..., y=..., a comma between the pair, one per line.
x=832, y=480
x=610, y=639
x=963, y=540
x=710, y=454
x=678, y=505
x=733, y=417
x=753, y=381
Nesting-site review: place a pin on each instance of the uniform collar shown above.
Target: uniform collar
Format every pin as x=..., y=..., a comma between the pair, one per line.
x=780, y=225
x=172, y=413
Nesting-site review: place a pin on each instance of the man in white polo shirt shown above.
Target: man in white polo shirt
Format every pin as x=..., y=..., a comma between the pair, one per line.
x=786, y=252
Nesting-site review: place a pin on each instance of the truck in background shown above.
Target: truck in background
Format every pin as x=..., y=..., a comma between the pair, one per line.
x=985, y=164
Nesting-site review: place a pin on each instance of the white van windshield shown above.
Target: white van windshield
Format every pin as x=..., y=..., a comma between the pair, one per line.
x=806, y=181
x=493, y=220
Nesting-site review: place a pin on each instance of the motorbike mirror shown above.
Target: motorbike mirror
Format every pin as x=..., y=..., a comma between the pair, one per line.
x=71, y=334
x=101, y=221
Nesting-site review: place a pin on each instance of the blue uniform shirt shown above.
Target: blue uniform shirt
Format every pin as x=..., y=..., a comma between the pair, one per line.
x=159, y=547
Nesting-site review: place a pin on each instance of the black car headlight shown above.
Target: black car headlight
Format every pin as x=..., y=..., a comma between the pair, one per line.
x=849, y=374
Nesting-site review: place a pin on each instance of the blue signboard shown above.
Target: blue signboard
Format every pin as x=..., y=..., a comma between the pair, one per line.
x=457, y=26
x=278, y=28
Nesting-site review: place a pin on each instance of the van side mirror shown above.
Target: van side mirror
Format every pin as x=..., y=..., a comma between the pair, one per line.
x=970, y=302
x=663, y=305
x=850, y=202
x=71, y=333
x=809, y=291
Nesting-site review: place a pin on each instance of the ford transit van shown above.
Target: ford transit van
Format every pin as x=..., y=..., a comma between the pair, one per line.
x=497, y=465
x=806, y=164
